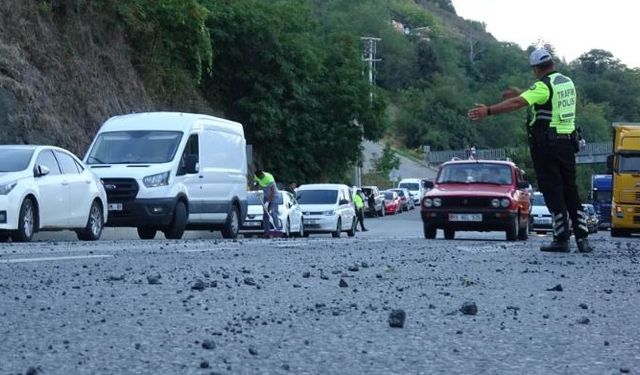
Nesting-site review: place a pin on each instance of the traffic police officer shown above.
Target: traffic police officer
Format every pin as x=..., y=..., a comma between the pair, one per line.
x=359, y=203
x=268, y=184
x=553, y=143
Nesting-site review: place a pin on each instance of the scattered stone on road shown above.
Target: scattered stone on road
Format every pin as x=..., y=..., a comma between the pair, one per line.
x=557, y=288
x=198, y=285
x=397, y=318
x=469, y=308
x=154, y=279
x=208, y=344
x=343, y=284
x=249, y=281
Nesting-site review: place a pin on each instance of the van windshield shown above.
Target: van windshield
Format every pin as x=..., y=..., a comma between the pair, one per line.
x=317, y=196
x=135, y=147
x=411, y=186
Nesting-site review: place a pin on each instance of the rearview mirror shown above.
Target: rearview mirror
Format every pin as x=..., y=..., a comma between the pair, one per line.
x=427, y=184
x=523, y=184
x=343, y=202
x=41, y=170
x=610, y=164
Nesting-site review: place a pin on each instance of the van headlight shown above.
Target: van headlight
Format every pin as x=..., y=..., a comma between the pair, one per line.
x=7, y=187
x=495, y=203
x=160, y=179
x=505, y=202
x=437, y=202
x=329, y=213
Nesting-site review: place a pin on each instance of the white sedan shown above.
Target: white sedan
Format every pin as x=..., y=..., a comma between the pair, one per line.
x=48, y=188
x=289, y=211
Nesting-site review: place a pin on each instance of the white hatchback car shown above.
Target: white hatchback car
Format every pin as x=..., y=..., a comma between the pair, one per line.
x=48, y=188
x=290, y=215
x=327, y=208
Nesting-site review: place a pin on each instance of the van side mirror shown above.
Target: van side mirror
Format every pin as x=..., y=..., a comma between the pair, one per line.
x=40, y=171
x=427, y=184
x=191, y=164
x=343, y=202
x=523, y=184
x=610, y=164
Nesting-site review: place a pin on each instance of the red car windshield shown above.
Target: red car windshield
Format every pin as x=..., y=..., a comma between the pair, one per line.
x=476, y=173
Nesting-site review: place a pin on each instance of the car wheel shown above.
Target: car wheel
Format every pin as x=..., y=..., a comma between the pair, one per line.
x=383, y=212
x=336, y=234
x=352, y=232
x=26, y=222
x=523, y=234
x=147, y=233
x=301, y=233
x=232, y=226
x=512, y=230
x=287, y=229
x=430, y=231
x=95, y=224
x=306, y=235
x=176, y=230
x=246, y=235
x=449, y=234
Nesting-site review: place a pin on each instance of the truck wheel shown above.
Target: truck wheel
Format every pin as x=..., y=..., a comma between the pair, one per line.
x=26, y=222
x=430, y=231
x=147, y=233
x=232, y=226
x=615, y=232
x=176, y=230
x=95, y=223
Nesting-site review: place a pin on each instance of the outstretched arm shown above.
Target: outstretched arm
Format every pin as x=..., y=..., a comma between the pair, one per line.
x=481, y=111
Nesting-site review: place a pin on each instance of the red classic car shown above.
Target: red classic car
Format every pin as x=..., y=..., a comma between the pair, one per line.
x=477, y=195
x=392, y=202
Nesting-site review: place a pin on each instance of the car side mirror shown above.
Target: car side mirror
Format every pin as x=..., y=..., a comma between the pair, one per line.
x=523, y=184
x=610, y=164
x=343, y=202
x=41, y=170
x=191, y=165
x=427, y=184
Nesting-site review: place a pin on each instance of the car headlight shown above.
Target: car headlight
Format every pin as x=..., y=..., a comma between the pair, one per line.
x=505, y=202
x=437, y=202
x=160, y=179
x=329, y=213
x=495, y=203
x=7, y=187
x=428, y=202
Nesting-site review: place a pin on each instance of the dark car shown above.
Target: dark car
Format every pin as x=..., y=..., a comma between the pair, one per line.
x=483, y=195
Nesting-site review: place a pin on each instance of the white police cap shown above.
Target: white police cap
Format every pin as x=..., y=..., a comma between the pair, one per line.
x=539, y=56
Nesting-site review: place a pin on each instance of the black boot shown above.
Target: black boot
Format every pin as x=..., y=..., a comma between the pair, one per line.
x=583, y=245
x=556, y=246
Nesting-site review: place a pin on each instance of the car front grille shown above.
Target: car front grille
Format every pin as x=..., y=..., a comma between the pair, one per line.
x=120, y=189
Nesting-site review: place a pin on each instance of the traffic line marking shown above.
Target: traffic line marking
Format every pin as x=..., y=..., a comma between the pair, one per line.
x=45, y=259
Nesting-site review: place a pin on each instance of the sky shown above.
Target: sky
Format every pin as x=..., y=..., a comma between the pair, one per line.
x=573, y=27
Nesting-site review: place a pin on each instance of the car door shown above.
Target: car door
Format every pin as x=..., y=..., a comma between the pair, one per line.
x=193, y=182
x=78, y=190
x=53, y=200
x=347, y=212
x=295, y=213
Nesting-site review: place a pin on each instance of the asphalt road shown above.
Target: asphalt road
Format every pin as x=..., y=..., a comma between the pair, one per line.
x=319, y=306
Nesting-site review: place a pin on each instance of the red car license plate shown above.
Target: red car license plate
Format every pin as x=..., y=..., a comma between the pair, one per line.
x=465, y=217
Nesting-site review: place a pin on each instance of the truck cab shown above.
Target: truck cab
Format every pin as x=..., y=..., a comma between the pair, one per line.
x=625, y=167
x=601, y=187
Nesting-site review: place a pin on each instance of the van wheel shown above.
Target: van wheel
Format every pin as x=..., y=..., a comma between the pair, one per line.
x=95, y=223
x=430, y=231
x=26, y=222
x=147, y=233
x=352, y=232
x=287, y=229
x=336, y=234
x=4, y=237
x=232, y=226
x=176, y=230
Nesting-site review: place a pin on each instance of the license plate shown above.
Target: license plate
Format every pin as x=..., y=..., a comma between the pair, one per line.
x=115, y=206
x=311, y=221
x=542, y=220
x=254, y=223
x=465, y=217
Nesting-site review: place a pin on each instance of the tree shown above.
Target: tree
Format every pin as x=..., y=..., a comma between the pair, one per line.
x=387, y=162
x=598, y=61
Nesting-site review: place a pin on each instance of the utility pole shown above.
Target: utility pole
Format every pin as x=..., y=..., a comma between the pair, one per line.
x=369, y=56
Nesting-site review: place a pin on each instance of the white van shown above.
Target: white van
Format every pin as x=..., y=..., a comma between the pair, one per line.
x=172, y=172
x=415, y=187
x=327, y=208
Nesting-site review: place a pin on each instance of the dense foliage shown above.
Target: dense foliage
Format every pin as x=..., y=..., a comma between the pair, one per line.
x=291, y=71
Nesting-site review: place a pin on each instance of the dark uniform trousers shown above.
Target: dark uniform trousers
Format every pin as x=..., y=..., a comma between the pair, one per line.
x=555, y=166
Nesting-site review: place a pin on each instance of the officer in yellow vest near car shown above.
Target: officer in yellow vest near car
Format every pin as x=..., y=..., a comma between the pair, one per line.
x=270, y=200
x=359, y=203
x=553, y=142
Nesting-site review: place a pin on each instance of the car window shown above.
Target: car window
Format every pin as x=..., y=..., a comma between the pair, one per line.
x=67, y=164
x=317, y=196
x=409, y=185
x=479, y=173
x=47, y=159
x=538, y=200
x=14, y=160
